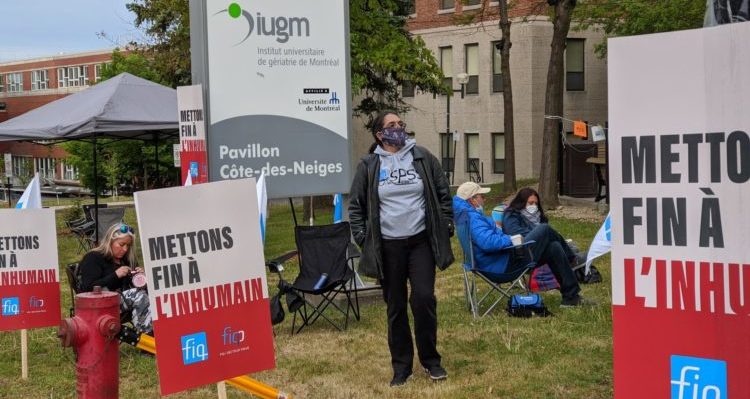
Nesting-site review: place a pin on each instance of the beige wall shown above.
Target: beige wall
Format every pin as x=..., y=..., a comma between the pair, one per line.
x=483, y=112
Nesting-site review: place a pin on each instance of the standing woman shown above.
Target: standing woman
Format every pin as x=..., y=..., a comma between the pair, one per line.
x=401, y=216
x=111, y=266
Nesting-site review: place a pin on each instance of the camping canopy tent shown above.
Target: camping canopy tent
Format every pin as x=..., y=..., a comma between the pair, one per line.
x=125, y=106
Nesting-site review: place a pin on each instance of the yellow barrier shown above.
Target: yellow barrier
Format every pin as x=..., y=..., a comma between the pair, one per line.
x=244, y=383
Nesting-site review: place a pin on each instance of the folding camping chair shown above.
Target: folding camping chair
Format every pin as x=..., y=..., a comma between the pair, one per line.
x=71, y=271
x=499, y=285
x=321, y=250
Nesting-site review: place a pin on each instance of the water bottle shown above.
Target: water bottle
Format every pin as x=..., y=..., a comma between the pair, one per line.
x=321, y=281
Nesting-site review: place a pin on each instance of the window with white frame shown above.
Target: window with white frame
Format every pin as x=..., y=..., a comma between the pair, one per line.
x=45, y=167
x=2, y=83
x=447, y=4
x=69, y=172
x=21, y=166
x=446, y=64
x=497, y=67
x=14, y=82
x=39, y=79
x=574, y=68
x=472, y=152
x=498, y=152
x=472, y=68
x=98, y=72
x=75, y=76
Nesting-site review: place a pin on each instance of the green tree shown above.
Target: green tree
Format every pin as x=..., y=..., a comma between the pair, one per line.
x=383, y=54
x=638, y=17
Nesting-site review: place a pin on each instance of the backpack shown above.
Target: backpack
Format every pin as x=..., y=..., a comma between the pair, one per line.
x=527, y=305
x=593, y=276
x=542, y=279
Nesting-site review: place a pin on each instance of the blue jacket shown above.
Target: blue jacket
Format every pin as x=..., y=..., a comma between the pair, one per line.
x=486, y=238
x=515, y=223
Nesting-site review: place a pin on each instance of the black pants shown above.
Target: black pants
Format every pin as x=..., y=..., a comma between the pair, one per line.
x=410, y=259
x=550, y=248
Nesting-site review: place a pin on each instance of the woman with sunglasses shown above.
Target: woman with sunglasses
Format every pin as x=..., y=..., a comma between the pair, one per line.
x=111, y=266
x=401, y=216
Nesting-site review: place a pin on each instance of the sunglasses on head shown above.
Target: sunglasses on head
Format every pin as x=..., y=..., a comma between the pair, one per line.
x=125, y=229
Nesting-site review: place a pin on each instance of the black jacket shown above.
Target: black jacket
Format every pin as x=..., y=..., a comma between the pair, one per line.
x=364, y=210
x=95, y=269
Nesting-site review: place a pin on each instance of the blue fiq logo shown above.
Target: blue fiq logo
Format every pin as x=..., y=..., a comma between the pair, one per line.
x=194, y=348
x=698, y=378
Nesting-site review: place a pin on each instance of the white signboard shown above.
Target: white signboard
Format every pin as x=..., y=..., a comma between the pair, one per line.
x=279, y=94
x=176, y=155
x=204, y=262
x=679, y=152
x=29, y=278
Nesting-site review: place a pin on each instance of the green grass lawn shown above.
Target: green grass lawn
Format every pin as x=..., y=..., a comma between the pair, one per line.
x=568, y=355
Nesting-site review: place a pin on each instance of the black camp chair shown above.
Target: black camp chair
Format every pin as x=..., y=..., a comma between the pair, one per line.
x=321, y=250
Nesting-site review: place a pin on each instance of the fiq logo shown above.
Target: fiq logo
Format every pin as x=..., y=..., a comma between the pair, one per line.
x=232, y=337
x=35, y=302
x=11, y=306
x=194, y=348
x=698, y=378
x=280, y=27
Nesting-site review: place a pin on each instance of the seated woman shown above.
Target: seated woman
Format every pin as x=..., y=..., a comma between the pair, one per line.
x=111, y=266
x=487, y=241
x=525, y=216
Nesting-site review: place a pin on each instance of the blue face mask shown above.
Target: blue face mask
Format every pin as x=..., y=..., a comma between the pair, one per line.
x=395, y=136
x=480, y=208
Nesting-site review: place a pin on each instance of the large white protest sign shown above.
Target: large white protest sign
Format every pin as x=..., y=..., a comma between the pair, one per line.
x=29, y=278
x=680, y=213
x=206, y=282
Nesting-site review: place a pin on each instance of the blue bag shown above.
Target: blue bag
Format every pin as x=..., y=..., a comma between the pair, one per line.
x=527, y=305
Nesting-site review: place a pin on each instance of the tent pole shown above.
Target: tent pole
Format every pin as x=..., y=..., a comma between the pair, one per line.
x=156, y=160
x=96, y=197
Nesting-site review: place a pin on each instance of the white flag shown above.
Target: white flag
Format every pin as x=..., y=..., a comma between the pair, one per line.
x=189, y=180
x=32, y=196
x=260, y=187
x=601, y=244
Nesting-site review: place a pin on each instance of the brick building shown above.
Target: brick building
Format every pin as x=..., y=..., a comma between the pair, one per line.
x=478, y=117
x=28, y=84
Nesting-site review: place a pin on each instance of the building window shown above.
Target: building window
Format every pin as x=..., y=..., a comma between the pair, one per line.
x=472, y=2
x=472, y=152
x=498, y=153
x=407, y=88
x=97, y=72
x=76, y=76
x=472, y=68
x=14, y=82
x=497, y=68
x=447, y=151
x=39, y=79
x=574, y=55
x=2, y=83
x=447, y=4
x=446, y=64
x=21, y=166
x=69, y=172
x=45, y=167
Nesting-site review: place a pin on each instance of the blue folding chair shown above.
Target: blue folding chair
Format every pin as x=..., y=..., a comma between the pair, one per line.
x=499, y=286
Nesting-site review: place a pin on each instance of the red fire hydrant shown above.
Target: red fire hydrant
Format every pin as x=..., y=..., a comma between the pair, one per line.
x=92, y=333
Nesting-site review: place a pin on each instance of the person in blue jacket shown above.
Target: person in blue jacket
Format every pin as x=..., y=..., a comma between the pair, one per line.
x=487, y=241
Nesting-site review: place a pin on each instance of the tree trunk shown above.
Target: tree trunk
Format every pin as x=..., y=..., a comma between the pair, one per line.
x=509, y=173
x=553, y=103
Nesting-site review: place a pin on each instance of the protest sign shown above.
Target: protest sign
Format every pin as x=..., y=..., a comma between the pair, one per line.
x=29, y=278
x=192, y=127
x=680, y=213
x=206, y=282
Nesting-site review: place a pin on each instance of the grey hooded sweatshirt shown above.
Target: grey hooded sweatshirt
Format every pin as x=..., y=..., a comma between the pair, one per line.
x=401, y=194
